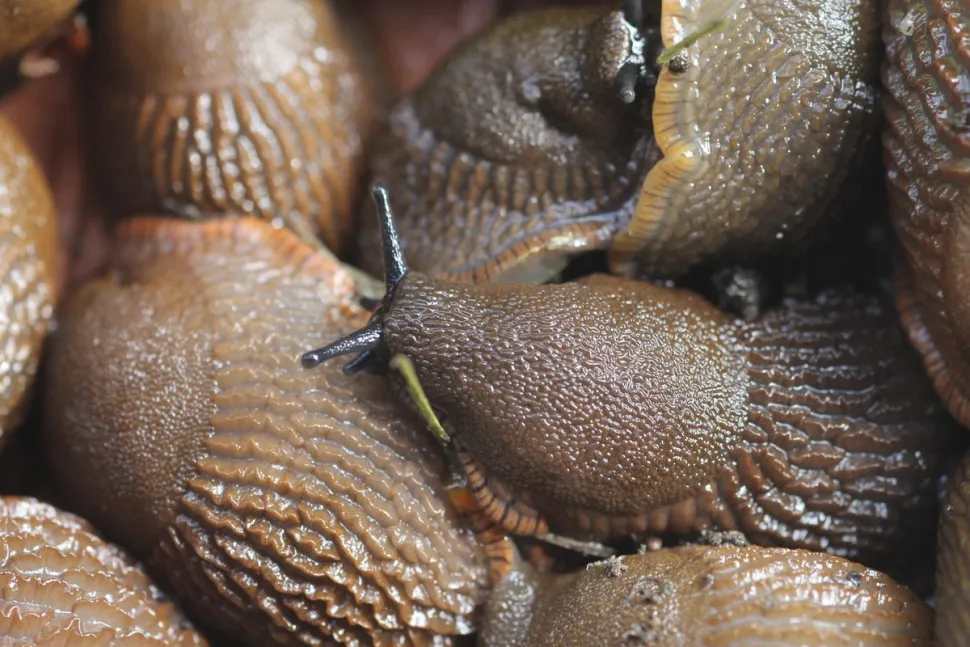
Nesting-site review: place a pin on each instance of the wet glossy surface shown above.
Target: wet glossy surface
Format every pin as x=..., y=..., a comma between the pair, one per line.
x=285, y=506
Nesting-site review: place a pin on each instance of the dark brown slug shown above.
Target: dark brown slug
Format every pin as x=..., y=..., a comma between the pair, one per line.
x=608, y=406
x=28, y=272
x=207, y=107
x=518, y=151
x=708, y=597
x=283, y=506
x=927, y=150
x=61, y=584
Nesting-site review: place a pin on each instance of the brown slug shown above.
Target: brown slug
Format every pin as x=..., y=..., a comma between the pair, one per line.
x=282, y=506
x=28, y=272
x=520, y=150
x=953, y=561
x=708, y=597
x=761, y=121
x=608, y=406
x=61, y=584
x=926, y=143
x=209, y=107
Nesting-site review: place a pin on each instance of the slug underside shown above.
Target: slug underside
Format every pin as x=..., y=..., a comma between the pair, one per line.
x=517, y=153
x=61, y=584
x=28, y=265
x=759, y=132
x=607, y=407
x=953, y=561
x=726, y=597
x=285, y=506
x=262, y=111
x=927, y=151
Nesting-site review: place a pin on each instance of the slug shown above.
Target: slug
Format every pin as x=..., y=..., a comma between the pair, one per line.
x=283, y=507
x=608, y=406
x=61, y=584
x=520, y=150
x=708, y=597
x=22, y=24
x=953, y=561
x=208, y=107
x=926, y=142
x=29, y=268
x=761, y=122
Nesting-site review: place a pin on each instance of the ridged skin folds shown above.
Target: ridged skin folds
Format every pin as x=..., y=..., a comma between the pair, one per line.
x=517, y=153
x=28, y=267
x=927, y=151
x=211, y=107
x=761, y=133
x=710, y=597
x=62, y=585
x=285, y=506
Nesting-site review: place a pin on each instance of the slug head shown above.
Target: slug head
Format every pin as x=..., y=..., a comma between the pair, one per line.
x=523, y=149
x=366, y=341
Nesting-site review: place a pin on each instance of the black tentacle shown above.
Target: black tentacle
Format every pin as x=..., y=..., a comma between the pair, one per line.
x=366, y=342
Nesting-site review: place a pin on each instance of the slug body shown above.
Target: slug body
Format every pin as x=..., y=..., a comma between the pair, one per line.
x=927, y=151
x=211, y=107
x=760, y=122
x=284, y=507
x=708, y=597
x=61, y=584
x=519, y=151
x=28, y=272
x=607, y=406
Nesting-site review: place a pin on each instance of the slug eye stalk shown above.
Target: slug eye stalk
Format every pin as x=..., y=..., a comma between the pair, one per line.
x=365, y=342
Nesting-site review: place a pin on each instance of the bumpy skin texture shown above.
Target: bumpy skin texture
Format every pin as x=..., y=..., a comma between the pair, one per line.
x=61, y=584
x=22, y=22
x=517, y=152
x=927, y=150
x=759, y=133
x=230, y=106
x=612, y=406
x=28, y=247
x=712, y=597
x=285, y=506
x=953, y=562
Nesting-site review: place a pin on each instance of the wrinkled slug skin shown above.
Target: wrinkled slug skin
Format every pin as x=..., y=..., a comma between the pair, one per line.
x=953, y=562
x=626, y=407
x=760, y=134
x=28, y=270
x=284, y=506
x=926, y=143
x=23, y=22
x=206, y=107
x=516, y=153
x=62, y=585
x=711, y=597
